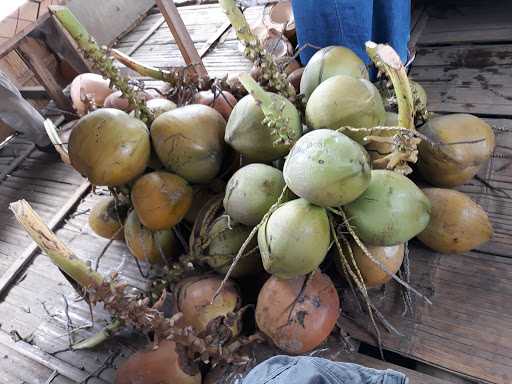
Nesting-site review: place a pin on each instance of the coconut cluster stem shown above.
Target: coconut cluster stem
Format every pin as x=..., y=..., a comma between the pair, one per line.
x=272, y=108
x=130, y=310
x=174, y=76
x=100, y=59
x=99, y=337
x=255, y=52
x=56, y=250
x=387, y=60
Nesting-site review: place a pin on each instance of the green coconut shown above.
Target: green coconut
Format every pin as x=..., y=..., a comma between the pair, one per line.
x=247, y=133
x=158, y=106
x=226, y=239
x=345, y=101
x=391, y=211
x=189, y=141
x=109, y=147
x=294, y=240
x=329, y=62
x=327, y=168
x=251, y=191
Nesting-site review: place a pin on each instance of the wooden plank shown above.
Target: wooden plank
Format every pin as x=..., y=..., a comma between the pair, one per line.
x=213, y=40
x=467, y=328
x=25, y=258
x=30, y=51
x=335, y=353
x=45, y=359
x=179, y=31
x=20, y=158
x=13, y=42
x=471, y=79
x=463, y=22
x=145, y=37
x=34, y=92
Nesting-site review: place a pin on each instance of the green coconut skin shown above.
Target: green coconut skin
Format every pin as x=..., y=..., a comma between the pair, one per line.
x=251, y=191
x=419, y=94
x=189, y=142
x=294, y=240
x=226, y=239
x=329, y=62
x=345, y=101
x=247, y=133
x=109, y=147
x=391, y=211
x=327, y=168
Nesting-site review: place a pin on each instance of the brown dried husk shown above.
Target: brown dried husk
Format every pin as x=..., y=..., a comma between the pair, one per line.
x=463, y=143
x=154, y=247
x=298, y=314
x=107, y=217
x=457, y=223
x=161, y=364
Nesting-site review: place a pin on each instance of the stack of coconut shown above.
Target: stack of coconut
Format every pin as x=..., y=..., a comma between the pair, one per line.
x=215, y=170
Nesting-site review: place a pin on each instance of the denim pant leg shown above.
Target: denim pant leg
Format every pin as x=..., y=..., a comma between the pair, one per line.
x=351, y=23
x=333, y=22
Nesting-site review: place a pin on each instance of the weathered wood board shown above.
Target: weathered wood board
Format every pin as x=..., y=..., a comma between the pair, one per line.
x=466, y=329
x=454, y=21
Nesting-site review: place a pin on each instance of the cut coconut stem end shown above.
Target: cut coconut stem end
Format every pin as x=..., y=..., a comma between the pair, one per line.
x=100, y=59
x=272, y=108
x=56, y=250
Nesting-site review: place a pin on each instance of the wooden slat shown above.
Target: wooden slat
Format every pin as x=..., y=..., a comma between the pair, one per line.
x=25, y=258
x=179, y=31
x=467, y=328
x=145, y=37
x=30, y=50
x=45, y=359
x=471, y=79
x=468, y=21
x=335, y=353
x=13, y=42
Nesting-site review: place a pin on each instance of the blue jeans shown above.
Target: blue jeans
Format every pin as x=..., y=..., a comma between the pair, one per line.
x=351, y=23
x=315, y=370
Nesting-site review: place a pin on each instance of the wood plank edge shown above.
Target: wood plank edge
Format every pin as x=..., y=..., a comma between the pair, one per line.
x=53, y=363
x=22, y=261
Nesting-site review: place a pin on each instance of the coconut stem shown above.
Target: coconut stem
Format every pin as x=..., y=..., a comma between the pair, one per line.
x=272, y=108
x=175, y=77
x=100, y=337
x=387, y=60
x=255, y=52
x=53, y=247
x=365, y=250
x=51, y=131
x=248, y=241
x=131, y=310
x=100, y=59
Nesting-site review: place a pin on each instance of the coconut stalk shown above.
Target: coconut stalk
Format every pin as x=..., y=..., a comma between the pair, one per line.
x=99, y=58
x=271, y=107
x=131, y=310
x=404, y=144
x=175, y=77
x=255, y=52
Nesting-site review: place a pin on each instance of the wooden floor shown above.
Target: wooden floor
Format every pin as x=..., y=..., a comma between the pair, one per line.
x=463, y=59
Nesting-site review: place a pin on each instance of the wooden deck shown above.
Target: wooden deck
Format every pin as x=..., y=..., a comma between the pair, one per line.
x=463, y=61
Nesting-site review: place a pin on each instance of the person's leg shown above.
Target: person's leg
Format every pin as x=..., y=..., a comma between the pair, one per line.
x=333, y=22
x=392, y=23
x=20, y=115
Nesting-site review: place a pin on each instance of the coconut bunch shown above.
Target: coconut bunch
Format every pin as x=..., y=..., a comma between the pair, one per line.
x=242, y=199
